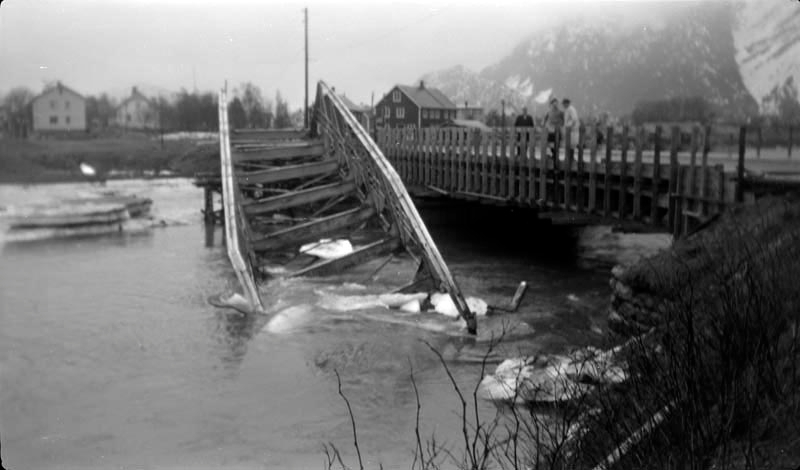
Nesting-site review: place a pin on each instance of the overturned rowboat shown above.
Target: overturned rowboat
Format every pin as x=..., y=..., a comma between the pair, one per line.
x=75, y=217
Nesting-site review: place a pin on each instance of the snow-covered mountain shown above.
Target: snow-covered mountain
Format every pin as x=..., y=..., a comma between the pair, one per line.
x=731, y=53
x=767, y=43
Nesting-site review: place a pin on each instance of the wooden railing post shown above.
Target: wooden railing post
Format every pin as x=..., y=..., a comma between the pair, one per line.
x=637, y=174
x=691, y=204
x=705, y=177
x=673, y=178
x=656, y=179
x=607, y=172
x=567, y=179
x=593, y=168
x=740, y=165
x=543, y=197
x=579, y=191
x=623, y=175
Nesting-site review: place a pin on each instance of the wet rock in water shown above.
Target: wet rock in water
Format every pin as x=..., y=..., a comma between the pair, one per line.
x=550, y=378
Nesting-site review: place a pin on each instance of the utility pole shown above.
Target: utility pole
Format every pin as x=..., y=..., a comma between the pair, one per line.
x=503, y=125
x=305, y=108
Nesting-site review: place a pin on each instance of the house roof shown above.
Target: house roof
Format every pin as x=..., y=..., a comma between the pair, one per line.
x=468, y=123
x=135, y=94
x=59, y=86
x=425, y=97
x=352, y=106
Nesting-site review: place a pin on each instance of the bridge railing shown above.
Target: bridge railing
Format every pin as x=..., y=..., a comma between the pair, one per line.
x=381, y=186
x=662, y=180
x=235, y=223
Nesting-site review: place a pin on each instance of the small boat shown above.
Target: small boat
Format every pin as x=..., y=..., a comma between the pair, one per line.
x=75, y=217
x=136, y=206
x=68, y=215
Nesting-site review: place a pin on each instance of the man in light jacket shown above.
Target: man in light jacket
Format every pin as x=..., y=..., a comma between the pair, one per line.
x=571, y=124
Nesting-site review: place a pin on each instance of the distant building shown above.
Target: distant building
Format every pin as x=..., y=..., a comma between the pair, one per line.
x=137, y=112
x=470, y=113
x=414, y=106
x=59, y=109
x=362, y=113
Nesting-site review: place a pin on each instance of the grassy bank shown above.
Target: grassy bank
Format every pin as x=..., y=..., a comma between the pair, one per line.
x=44, y=161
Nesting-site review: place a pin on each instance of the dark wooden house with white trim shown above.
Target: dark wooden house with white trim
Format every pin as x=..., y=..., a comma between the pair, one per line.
x=414, y=106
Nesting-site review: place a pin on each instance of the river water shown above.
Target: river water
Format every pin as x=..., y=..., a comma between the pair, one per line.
x=112, y=357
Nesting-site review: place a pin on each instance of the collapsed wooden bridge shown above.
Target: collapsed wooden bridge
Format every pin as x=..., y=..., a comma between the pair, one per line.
x=285, y=188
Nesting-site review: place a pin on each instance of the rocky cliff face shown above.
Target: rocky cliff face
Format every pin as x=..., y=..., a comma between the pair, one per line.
x=733, y=54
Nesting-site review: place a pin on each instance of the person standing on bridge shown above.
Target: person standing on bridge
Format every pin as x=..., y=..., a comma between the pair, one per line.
x=572, y=125
x=553, y=121
x=523, y=124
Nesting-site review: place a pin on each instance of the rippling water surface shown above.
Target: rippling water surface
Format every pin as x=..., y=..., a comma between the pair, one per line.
x=110, y=355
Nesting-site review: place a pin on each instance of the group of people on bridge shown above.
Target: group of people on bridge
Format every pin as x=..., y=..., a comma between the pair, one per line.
x=559, y=119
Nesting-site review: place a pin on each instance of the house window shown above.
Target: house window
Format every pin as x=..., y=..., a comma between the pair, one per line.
x=66, y=104
x=128, y=117
x=400, y=112
x=424, y=114
x=396, y=96
x=436, y=114
x=387, y=112
x=53, y=119
x=68, y=119
x=52, y=104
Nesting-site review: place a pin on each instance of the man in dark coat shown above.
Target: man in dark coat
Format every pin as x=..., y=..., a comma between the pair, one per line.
x=523, y=124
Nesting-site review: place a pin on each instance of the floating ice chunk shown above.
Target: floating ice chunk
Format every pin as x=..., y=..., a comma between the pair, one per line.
x=443, y=303
x=289, y=319
x=328, y=249
x=411, y=307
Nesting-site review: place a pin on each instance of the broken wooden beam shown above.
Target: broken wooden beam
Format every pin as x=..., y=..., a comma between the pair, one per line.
x=259, y=153
x=313, y=230
x=514, y=304
x=299, y=198
x=268, y=134
x=290, y=172
x=359, y=256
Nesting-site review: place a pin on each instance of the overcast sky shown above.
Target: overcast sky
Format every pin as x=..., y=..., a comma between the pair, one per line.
x=357, y=46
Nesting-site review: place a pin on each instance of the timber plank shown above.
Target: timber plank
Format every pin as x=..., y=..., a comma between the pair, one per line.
x=313, y=230
x=267, y=134
x=255, y=154
x=299, y=198
x=288, y=172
